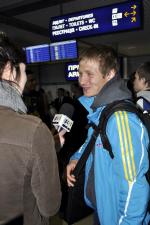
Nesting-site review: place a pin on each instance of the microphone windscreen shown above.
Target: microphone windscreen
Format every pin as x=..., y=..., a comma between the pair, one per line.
x=61, y=121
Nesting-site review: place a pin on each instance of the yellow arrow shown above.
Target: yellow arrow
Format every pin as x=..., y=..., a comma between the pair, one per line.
x=126, y=14
x=133, y=13
x=133, y=19
x=133, y=7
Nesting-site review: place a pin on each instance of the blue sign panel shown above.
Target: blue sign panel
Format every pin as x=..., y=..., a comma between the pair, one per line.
x=38, y=53
x=113, y=18
x=72, y=72
x=63, y=50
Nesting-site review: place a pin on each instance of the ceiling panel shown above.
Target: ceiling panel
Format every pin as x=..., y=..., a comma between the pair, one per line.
x=6, y=4
x=31, y=27
x=43, y=16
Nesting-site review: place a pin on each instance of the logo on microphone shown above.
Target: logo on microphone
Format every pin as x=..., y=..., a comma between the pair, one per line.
x=61, y=121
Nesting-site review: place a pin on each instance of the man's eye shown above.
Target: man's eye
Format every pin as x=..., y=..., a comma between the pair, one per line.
x=90, y=74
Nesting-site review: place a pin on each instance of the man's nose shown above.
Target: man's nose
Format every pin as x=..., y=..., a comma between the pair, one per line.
x=83, y=79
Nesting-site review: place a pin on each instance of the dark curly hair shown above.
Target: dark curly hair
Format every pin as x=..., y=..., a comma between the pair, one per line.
x=10, y=52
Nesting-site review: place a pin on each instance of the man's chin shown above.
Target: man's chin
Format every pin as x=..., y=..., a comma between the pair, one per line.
x=87, y=94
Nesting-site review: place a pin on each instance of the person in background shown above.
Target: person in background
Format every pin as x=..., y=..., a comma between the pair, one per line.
x=31, y=95
x=29, y=179
x=130, y=83
x=76, y=90
x=116, y=188
x=141, y=86
x=49, y=97
x=61, y=99
x=43, y=107
x=36, y=100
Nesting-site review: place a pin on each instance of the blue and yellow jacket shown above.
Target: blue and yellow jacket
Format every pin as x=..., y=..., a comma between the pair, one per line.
x=117, y=188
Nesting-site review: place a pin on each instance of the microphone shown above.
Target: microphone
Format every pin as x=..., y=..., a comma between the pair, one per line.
x=62, y=122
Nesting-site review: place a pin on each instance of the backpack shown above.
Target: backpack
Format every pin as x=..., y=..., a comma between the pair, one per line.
x=121, y=105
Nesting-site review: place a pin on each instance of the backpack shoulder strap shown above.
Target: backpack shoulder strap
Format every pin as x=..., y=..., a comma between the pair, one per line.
x=80, y=165
x=122, y=105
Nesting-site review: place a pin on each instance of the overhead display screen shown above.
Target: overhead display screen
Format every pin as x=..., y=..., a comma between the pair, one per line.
x=63, y=50
x=72, y=72
x=38, y=53
x=113, y=18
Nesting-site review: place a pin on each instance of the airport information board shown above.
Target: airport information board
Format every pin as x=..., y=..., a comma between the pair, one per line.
x=63, y=50
x=38, y=53
x=108, y=19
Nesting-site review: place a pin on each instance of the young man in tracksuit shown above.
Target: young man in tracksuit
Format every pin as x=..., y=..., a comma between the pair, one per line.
x=117, y=188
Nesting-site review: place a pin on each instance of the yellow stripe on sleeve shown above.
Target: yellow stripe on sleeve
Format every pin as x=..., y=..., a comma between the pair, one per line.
x=121, y=145
x=125, y=137
x=130, y=145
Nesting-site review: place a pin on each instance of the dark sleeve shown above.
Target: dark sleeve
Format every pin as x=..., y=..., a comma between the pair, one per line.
x=76, y=137
x=45, y=177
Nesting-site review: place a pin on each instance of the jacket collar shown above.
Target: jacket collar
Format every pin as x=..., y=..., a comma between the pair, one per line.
x=144, y=94
x=114, y=90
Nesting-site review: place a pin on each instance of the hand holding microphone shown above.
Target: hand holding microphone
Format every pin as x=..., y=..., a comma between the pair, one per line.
x=62, y=124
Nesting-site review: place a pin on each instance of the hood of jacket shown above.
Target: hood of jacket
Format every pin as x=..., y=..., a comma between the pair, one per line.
x=145, y=94
x=114, y=90
x=10, y=97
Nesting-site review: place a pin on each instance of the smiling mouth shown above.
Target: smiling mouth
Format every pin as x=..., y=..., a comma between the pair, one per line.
x=85, y=88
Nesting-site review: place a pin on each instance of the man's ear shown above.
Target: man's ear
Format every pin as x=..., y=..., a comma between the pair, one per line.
x=145, y=82
x=111, y=74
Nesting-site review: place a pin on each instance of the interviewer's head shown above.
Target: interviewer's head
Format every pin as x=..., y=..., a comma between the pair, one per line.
x=12, y=63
